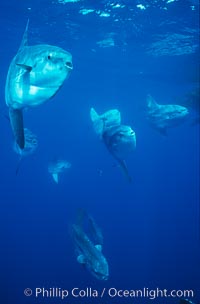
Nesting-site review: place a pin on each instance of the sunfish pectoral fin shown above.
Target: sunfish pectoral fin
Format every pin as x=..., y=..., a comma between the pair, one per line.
x=24, y=66
x=81, y=259
x=55, y=177
x=16, y=121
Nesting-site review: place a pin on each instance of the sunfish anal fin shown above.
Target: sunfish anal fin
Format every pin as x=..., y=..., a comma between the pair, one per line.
x=125, y=169
x=16, y=120
x=55, y=177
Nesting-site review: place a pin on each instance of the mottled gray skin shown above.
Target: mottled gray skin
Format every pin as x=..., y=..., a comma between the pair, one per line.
x=94, y=260
x=162, y=117
x=35, y=75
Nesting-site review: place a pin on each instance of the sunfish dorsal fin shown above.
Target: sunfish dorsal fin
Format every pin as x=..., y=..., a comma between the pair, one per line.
x=97, y=121
x=55, y=177
x=151, y=104
x=24, y=41
x=93, y=115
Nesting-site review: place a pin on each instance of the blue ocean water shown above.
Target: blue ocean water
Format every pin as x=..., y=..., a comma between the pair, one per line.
x=122, y=51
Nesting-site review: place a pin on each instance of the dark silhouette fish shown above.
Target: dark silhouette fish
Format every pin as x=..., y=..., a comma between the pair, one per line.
x=89, y=253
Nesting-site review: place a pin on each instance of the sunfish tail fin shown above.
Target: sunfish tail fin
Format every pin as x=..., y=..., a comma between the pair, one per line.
x=17, y=125
x=24, y=41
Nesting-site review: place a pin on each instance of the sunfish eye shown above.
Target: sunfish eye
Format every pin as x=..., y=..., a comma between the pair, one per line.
x=49, y=57
x=69, y=65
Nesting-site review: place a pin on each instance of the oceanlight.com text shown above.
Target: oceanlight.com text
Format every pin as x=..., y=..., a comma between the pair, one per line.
x=112, y=292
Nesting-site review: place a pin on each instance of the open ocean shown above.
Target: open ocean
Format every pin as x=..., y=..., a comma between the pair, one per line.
x=121, y=52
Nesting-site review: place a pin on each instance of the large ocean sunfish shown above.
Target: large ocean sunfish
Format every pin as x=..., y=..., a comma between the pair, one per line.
x=35, y=75
x=162, y=117
x=88, y=247
x=119, y=139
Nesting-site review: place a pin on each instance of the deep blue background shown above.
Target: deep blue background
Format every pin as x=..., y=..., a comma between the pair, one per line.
x=151, y=227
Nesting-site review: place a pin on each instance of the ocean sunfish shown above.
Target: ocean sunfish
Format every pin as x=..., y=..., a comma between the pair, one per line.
x=162, y=117
x=57, y=167
x=120, y=141
x=35, y=74
x=88, y=251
